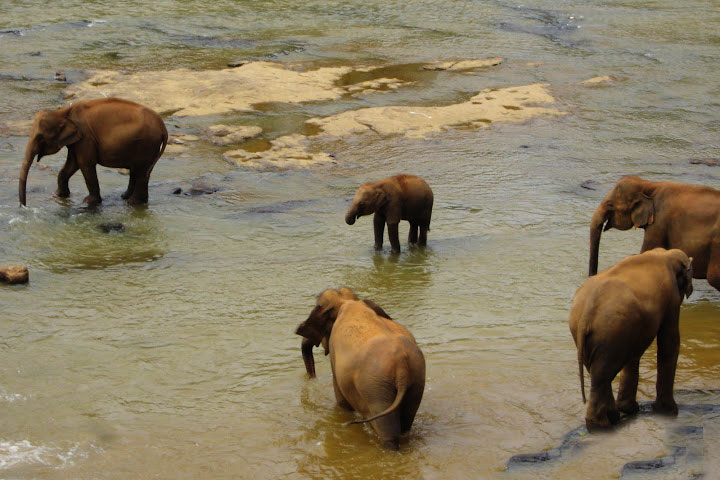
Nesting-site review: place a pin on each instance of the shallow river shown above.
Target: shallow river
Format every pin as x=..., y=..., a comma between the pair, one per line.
x=167, y=350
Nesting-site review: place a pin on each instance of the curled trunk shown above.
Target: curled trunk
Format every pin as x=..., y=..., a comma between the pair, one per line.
x=30, y=153
x=351, y=215
x=596, y=228
x=307, y=354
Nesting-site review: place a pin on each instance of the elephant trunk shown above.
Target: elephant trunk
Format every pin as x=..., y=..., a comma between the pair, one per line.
x=351, y=215
x=30, y=153
x=307, y=354
x=596, y=228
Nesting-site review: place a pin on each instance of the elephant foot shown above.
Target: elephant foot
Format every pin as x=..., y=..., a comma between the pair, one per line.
x=92, y=200
x=395, y=251
x=667, y=407
x=136, y=201
x=391, y=444
x=378, y=247
x=126, y=195
x=595, y=425
x=629, y=408
x=61, y=194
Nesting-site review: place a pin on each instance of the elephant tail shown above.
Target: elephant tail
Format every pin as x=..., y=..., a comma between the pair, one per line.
x=581, y=351
x=401, y=385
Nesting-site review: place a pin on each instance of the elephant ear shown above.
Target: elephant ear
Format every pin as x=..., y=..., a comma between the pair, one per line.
x=684, y=279
x=643, y=212
x=313, y=328
x=377, y=309
x=69, y=132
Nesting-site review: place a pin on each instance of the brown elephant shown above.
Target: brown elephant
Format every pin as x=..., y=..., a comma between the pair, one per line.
x=674, y=215
x=614, y=318
x=402, y=197
x=378, y=369
x=110, y=132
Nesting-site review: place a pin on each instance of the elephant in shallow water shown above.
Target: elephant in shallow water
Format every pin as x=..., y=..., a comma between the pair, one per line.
x=110, y=132
x=402, y=197
x=614, y=318
x=378, y=369
x=673, y=215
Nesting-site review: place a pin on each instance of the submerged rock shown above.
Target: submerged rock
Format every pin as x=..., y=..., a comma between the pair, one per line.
x=228, y=134
x=109, y=227
x=710, y=162
x=14, y=274
x=463, y=65
x=203, y=187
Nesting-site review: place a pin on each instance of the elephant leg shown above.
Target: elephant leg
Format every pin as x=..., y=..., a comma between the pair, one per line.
x=626, y=399
x=713, y=269
x=601, y=411
x=409, y=407
x=341, y=400
x=413, y=235
x=379, y=226
x=140, y=191
x=668, y=348
x=67, y=171
x=131, y=185
x=393, y=237
x=653, y=240
x=422, y=240
x=387, y=427
x=91, y=181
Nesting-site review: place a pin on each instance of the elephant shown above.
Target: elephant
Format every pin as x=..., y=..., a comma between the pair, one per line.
x=615, y=316
x=378, y=369
x=673, y=215
x=110, y=132
x=402, y=197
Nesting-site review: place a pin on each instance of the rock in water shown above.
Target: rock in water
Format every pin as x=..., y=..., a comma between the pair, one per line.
x=109, y=227
x=14, y=274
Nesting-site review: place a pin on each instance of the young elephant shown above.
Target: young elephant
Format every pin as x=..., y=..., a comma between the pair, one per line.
x=614, y=318
x=402, y=197
x=378, y=369
x=110, y=132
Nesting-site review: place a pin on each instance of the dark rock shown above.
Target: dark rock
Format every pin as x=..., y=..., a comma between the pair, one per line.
x=14, y=274
x=177, y=191
x=710, y=162
x=237, y=63
x=60, y=77
x=588, y=184
x=109, y=227
x=35, y=54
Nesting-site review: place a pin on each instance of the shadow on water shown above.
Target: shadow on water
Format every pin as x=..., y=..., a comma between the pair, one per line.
x=80, y=238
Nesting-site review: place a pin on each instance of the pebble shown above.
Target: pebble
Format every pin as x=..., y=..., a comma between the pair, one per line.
x=14, y=274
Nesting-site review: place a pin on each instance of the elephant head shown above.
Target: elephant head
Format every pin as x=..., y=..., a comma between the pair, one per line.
x=368, y=199
x=625, y=206
x=316, y=329
x=51, y=131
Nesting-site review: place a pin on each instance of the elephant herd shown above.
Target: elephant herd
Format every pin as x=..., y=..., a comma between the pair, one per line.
x=378, y=369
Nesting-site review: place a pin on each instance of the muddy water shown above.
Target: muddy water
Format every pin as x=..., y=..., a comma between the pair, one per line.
x=167, y=350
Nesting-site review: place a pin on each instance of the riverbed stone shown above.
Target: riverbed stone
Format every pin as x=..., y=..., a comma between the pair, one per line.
x=185, y=92
x=464, y=65
x=511, y=104
x=377, y=85
x=288, y=151
x=14, y=274
x=222, y=135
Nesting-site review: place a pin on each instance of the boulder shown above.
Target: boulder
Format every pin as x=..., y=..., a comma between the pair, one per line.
x=14, y=274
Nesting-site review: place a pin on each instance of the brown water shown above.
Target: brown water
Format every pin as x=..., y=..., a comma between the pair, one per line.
x=167, y=350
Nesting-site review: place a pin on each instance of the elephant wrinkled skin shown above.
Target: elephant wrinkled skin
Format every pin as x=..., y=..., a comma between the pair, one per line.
x=402, y=197
x=110, y=132
x=378, y=369
x=674, y=215
x=614, y=318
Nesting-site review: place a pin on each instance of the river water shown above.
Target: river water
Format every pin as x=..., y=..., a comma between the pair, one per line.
x=167, y=350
